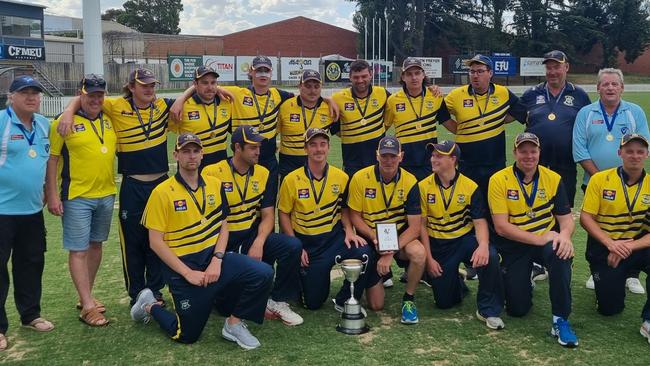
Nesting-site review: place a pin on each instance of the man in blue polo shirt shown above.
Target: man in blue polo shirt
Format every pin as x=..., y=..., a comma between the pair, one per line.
x=597, y=134
x=24, y=150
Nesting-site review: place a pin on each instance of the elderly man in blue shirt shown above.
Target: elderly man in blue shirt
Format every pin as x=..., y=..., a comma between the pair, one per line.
x=24, y=151
x=597, y=135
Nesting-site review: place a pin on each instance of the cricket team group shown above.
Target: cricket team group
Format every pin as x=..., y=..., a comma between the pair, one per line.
x=209, y=234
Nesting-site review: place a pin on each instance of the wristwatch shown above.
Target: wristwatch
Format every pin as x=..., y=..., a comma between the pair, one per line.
x=219, y=255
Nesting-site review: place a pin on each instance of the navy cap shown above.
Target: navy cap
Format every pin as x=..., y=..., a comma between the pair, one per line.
x=480, y=59
x=446, y=147
x=389, y=145
x=313, y=132
x=142, y=76
x=23, y=82
x=246, y=134
x=92, y=83
x=261, y=61
x=187, y=138
x=555, y=55
x=201, y=71
x=526, y=137
x=411, y=62
x=309, y=74
x=629, y=137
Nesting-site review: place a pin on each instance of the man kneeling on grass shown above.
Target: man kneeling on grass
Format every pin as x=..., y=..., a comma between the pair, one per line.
x=186, y=218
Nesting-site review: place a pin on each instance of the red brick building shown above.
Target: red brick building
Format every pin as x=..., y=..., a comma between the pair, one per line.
x=297, y=36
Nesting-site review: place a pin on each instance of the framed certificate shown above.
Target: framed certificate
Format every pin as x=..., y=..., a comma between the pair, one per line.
x=387, y=238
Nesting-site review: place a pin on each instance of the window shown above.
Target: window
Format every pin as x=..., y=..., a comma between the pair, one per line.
x=20, y=27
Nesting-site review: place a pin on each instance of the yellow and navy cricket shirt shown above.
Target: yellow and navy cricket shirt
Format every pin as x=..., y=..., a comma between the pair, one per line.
x=505, y=197
x=172, y=211
x=361, y=125
x=244, y=216
x=86, y=162
x=210, y=122
x=481, y=128
x=415, y=120
x=293, y=125
x=464, y=204
x=365, y=196
x=141, y=142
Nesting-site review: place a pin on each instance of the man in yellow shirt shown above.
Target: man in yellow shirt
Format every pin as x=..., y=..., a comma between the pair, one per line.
x=80, y=184
x=615, y=215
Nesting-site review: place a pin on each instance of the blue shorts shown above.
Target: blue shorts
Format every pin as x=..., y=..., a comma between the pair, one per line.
x=86, y=220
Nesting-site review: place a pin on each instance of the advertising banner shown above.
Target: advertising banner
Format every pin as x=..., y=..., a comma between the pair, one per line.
x=292, y=67
x=223, y=65
x=532, y=66
x=337, y=71
x=244, y=64
x=181, y=68
x=432, y=66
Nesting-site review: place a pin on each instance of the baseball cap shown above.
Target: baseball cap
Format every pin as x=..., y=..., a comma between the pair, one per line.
x=555, y=55
x=246, y=134
x=389, y=145
x=23, y=82
x=526, y=137
x=411, y=62
x=261, y=61
x=142, y=76
x=309, y=74
x=446, y=147
x=313, y=132
x=187, y=138
x=629, y=137
x=201, y=71
x=92, y=83
x=480, y=59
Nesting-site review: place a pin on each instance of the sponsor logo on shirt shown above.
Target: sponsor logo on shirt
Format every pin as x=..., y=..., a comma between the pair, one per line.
x=609, y=194
x=294, y=117
x=597, y=122
x=349, y=106
x=371, y=193
x=227, y=186
x=192, y=115
x=400, y=107
x=79, y=127
x=248, y=101
x=431, y=198
x=17, y=137
x=468, y=103
x=180, y=205
x=126, y=113
x=513, y=194
x=303, y=193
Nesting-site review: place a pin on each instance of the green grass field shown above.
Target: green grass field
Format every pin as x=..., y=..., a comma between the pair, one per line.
x=442, y=337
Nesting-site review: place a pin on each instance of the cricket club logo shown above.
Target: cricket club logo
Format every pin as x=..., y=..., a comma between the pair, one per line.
x=224, y=113
x=609, y=194
x=193, y=115
x=431, y=198
x=429, y=105
x=494, y=100
x=541, y=193
x=568, y=100
x=255, y=186
x=180, y=205
x=336, y=188
x=371, y=193
x=645, y=199
x=227, y=186
x=461, y=198
x=513, y=194
x=374, y=102
x=211, y=200
x=400, y=194
x=185, y=304
x=303, y=193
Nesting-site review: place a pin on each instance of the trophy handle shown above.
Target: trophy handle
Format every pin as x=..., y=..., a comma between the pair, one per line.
x=337, y=259
x=364, y=262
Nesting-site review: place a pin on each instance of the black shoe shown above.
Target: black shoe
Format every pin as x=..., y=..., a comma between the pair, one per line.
x=538, y=273
x=471, y=274
x=403, y=278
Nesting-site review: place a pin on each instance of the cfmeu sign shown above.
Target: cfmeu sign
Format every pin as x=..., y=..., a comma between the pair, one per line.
x=12, y=52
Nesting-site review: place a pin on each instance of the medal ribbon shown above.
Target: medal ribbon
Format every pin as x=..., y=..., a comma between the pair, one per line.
x=610, y=125
x=234, y=179
x=318, y=197
x=201, y=207
x=101, y=123
x=212, y=123
x=304, y=116
x=387, y=202
x=408, y=97
x=447, y=202
x=356, y=102
x=146, y=130
x=630, y=207
x=261, y=114
x=487, y=99
x=548, y=97
x=530, y=199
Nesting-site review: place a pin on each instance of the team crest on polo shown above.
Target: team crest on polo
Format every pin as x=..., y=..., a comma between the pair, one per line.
x=79, y=127
x=431, y=198
x=371, y=193
x=294, y=117
x=494, y=100
x=461, y=198
x=468, y=103
x=107, y=125
x=513, y=194
x=336, y=188
x=568, y=100
x=323, y=117
x=247, y=101
x=224, y=113
x=374, y=102
x=185, y=304
x=609, y=194
x=180, y=205
x=193, y=115
x=540, y=99
x=400, y=107
x=429, y=104
x=303, y=193
x=255, y=186
x=645, y=199
x=541, y=193
x=227, y=186
x=400, y=194
x=625, y=130
x=349, y=106
x=210, y=199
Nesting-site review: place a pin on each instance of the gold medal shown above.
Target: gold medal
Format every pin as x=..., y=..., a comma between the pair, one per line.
x=32, y=153
x=104, y=149
x=551, y=117
x=363, y=121
x=530, y=213
x=446, y=217
x=610, y=137
x=204, y=221
x=317, y=210
x=417, y=126
x=213, y=134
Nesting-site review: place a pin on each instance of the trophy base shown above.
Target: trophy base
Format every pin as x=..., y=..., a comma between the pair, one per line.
x=353, y=331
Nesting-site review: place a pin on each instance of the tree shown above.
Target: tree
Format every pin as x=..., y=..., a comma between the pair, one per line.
x=112, y=14
x=152, y=16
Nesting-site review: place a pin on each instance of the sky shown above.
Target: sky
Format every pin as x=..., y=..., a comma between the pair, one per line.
x=220, y=17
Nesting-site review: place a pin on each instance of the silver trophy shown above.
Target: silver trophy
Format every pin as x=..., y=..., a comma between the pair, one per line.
x=352, y=319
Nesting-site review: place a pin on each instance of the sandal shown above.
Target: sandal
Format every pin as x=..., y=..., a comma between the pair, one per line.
x=100, y=307
x=93, y=317
x=40, y=325
x=3, y=342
